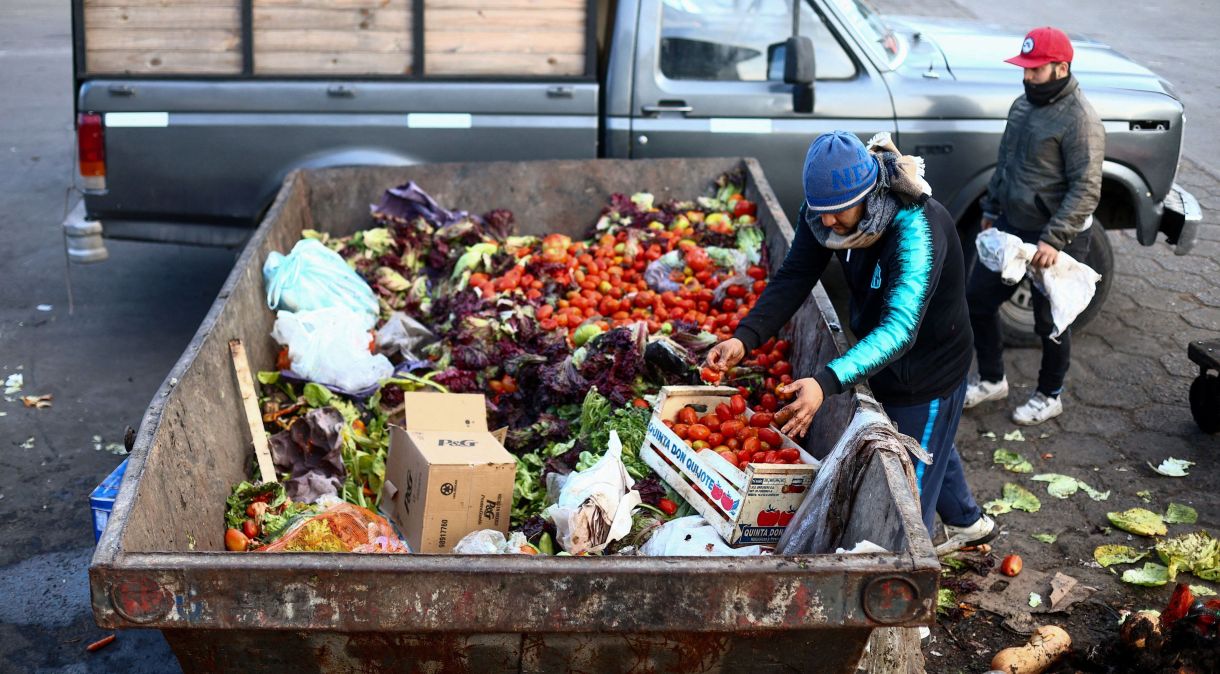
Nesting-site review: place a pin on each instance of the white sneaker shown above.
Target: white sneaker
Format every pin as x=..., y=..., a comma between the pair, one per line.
x=983, y=530
x=1039, y=408
x=979, y=391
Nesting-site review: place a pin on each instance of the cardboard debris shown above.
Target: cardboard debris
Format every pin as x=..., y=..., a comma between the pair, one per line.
x=37, y=402
x=1011, y=601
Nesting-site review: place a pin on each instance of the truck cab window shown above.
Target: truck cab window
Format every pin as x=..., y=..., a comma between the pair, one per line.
x=728, y=39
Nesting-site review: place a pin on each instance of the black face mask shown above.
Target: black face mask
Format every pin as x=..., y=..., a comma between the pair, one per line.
x=1042, y=94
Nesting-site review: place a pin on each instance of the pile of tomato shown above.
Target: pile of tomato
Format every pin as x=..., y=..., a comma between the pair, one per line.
x=601, y=281
x=737, y=437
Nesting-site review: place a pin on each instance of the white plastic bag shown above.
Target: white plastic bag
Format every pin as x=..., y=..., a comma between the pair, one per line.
x=490, y=542
x=594, y=505
x=692, y=536
x=331, y=346
x=313, y=276
x=1069, y=284
x=402, y=334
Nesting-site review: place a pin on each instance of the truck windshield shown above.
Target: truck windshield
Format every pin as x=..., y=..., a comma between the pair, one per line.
x=871, y=26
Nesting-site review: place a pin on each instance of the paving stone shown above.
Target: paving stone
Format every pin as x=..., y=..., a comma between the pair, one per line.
x=1207, y=318
x=1134, y=343
x=1152, y=321
x=1177, y=281
x=1154, y=447
x=1097, y=392
x=1192, y=263
x=1092, y=421
x=1178, y=364
x=1175, y=302
x=1209, y=296
x=1171, y=419
x=1126, y=264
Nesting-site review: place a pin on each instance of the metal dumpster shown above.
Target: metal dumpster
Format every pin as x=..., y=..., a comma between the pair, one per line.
x=161, y=563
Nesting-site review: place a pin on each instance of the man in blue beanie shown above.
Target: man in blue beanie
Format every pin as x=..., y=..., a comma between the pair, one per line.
x=899, y=250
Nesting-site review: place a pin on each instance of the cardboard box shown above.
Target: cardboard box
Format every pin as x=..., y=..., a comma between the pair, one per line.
x=746, y=507
x=101, y=501
x=446, y=475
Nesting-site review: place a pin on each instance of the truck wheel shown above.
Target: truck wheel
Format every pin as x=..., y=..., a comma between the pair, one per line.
x=1017, y=314
x=1205, y=402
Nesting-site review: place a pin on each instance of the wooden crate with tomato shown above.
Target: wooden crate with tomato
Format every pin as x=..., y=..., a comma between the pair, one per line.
x=748, y=499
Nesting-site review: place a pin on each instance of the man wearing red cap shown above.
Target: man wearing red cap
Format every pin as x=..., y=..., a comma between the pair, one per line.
x=1046, y=185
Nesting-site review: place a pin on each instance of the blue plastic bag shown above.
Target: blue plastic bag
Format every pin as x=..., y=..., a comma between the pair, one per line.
x=314, y=277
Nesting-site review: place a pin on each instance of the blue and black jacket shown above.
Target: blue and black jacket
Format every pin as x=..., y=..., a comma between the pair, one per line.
x=908, y=307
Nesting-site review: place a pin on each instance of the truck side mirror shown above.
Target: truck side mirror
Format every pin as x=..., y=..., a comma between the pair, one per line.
x=794, y=58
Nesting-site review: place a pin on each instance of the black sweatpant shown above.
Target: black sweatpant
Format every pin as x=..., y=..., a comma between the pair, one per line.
x=986, y=292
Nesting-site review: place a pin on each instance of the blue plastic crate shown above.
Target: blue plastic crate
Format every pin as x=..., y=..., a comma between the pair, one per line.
x=101, y=501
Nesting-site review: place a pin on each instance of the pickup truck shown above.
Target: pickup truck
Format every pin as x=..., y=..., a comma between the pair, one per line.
x=190, y=114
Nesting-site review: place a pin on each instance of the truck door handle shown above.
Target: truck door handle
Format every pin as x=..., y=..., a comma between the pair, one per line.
x=667, y=106
x=340, y=91
x=121, y=90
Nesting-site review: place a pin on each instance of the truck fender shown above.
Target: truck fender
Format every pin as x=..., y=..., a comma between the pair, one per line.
x=1145, y=212
x=350, y=156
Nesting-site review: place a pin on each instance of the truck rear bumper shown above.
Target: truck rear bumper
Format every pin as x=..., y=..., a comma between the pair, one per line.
x=1180, y=219
x=85, y=237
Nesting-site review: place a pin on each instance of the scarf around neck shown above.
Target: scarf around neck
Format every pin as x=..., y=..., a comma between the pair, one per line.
x=900, y=182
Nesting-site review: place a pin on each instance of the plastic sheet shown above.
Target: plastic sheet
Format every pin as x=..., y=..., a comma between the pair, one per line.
x=331, y=346
x=342, y=527
x=1069, y=284
x=692, y=536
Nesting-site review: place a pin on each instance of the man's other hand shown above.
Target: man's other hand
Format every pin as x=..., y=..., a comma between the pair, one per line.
x=726, y=354
x=1045, y=256
x=985, y=224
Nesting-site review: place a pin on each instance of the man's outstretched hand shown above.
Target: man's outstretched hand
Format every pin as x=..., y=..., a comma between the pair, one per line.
x=800, y=412
x=726, y=354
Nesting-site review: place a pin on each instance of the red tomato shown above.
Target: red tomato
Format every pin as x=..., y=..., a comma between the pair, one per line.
x=682, y=430
x=723, y=413
x=730, y=429
x=744, y=207
x=250, y=528
x=780, y=368
x=790, y=455
x=757, y=273
x=770, y=436
x=750, y=445
x=667, y=506
x=769, y=402
x=715, y=439
x=699, y=432
x=770, y=457
x=236, y=541
x=761, y=420
x=699, y=444
x=737, y=405
x=733, y=443
x=709, y=375
x=687, y=415
x=728, y=455
x=782, y=346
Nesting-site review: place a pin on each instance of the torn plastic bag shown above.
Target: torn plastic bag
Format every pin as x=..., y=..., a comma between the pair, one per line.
x=729, y=258
x=593, y=507
x=820, y=524
x=405, y=203
x=656, y=275
x=312, y=277
x=491, y=542
x=342, y=527
x=722, y=290
x=1069, y=284
x=402, y=334
x=692, y=536
x=331, y=346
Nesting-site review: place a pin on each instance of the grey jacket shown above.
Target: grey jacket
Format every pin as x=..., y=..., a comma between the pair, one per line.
x=1048, y=177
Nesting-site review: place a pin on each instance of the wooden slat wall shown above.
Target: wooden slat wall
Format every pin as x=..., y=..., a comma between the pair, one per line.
x=504, y=37
x=148, y=37
x=318, y=37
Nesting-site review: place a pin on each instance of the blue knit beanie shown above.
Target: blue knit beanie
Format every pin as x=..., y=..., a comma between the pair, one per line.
x=838, y=173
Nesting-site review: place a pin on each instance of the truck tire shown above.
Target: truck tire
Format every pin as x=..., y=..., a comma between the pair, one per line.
x=1017, y=314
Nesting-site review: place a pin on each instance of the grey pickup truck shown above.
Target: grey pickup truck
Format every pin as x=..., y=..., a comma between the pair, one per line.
x=190, y=113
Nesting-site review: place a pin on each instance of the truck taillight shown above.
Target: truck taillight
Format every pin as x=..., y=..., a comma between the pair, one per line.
x=91, y=148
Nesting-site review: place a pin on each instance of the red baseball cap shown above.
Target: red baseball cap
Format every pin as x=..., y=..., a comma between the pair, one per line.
x=1042, y=46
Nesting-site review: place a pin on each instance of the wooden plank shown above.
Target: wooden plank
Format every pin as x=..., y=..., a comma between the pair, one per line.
x=504, y=4
x=503, y=20
x=168, y=62
x=441, y=63
x=138, y=39
x=306, y=63
x=497, y=42
x=334, y=19
x=381, y=42
x=334, y=4
x=254, y=418
x=175, y=17
x=136, y=4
